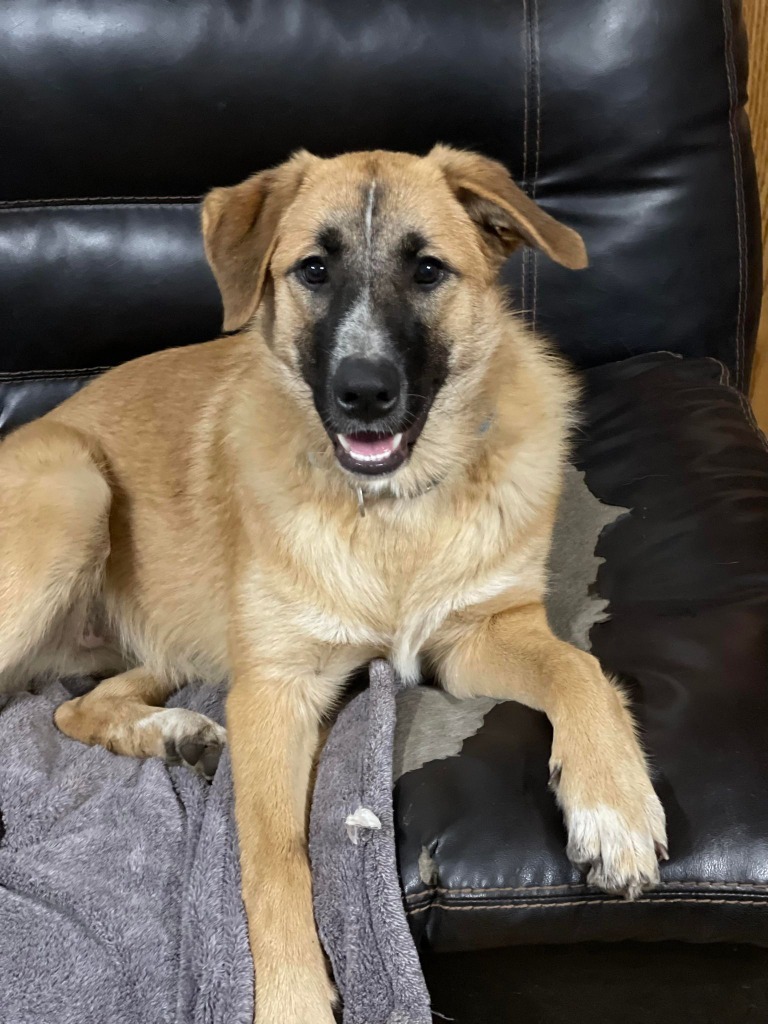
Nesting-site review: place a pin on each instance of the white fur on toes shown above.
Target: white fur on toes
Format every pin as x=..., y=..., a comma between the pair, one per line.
x=619, y=851
x=187, y=737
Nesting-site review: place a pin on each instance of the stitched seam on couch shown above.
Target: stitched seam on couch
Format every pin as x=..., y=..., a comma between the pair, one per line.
x=526, y=120
x=570, y=889
x=536, y=56
x=529, y=262
x=21, y=376
x=605, y=900
x=733, y=108
x=744, y=402
x=67, y=201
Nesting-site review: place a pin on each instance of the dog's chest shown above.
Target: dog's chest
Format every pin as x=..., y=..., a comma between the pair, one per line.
x=389, y=583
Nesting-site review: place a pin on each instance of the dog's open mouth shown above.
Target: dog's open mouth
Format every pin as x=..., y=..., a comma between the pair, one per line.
x=375, y=454
x=371, y=453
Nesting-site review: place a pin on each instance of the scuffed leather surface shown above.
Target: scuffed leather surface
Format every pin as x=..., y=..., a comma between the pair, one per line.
x=623, y=117
x=686, y=573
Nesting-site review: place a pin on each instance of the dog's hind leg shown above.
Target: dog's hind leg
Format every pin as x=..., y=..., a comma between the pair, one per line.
x=125, y=715
x=54, y=534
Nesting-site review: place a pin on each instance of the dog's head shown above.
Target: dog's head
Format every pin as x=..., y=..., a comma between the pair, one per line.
x=373, y=278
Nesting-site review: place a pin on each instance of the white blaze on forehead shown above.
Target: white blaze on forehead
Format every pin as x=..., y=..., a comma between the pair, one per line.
x=369, y=215
x=359, y=333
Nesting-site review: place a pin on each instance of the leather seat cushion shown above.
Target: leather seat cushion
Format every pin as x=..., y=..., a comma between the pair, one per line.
x=686, y=575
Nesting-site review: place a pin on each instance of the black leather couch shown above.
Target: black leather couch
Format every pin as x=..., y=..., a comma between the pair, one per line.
x=625, y=118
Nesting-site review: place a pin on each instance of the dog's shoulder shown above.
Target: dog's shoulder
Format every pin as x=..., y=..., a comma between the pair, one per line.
x=159, y=382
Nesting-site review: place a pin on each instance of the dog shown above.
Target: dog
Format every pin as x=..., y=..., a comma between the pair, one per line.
x=367, y=464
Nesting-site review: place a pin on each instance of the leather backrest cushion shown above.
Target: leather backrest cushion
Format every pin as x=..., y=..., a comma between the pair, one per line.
x=622, y=117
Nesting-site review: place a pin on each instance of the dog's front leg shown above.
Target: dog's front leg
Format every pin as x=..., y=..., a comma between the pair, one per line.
x=273, y=725
x=616, y=826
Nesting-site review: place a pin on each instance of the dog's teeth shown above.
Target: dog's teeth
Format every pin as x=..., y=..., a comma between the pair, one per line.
x=359, y=457
x=369, y=450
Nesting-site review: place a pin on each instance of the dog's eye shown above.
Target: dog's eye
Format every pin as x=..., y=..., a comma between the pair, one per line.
x=314, y=271
x=428, y=271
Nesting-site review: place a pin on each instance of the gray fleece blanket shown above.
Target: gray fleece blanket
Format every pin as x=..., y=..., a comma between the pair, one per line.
x=119, y=879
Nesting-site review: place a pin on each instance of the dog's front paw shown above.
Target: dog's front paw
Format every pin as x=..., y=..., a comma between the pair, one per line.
x=620, y=854
x=190, y=738
x=616, y=836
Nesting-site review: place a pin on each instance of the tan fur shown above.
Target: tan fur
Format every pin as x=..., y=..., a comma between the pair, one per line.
x=187, y=508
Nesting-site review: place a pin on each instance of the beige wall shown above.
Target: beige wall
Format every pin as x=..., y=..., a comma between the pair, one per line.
x=756, y=14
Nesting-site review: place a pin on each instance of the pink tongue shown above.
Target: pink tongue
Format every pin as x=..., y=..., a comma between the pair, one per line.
x=368, y=445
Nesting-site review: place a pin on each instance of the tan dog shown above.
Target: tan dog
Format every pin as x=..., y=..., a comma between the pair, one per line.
x=369, y=466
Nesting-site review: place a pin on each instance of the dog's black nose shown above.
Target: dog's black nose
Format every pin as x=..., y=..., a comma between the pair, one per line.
x=366, y=389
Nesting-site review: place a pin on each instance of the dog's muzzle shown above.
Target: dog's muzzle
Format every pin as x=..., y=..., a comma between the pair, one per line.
x=369, y=399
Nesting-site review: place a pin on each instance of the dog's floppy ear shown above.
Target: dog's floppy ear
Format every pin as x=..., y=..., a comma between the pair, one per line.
x=240, y=234
x=504, y=212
